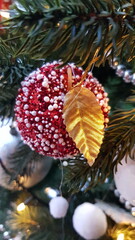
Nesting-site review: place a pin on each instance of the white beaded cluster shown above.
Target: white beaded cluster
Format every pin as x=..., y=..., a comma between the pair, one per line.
x=121, y=71
x=128, y=206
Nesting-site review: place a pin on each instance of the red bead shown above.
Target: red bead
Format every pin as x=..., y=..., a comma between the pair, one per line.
x=39, y=105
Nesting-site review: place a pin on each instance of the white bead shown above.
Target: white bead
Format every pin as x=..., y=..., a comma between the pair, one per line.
x=89, y=221
x=99, y=96
x=65, y=163
x=6, y=235
x=55, y=62
x=44, y=84
x=26, y=106
x=40, y=76
x=37, y=119
x=46, y=99
x=106, y=120
x=127, y=205
x=105, y=94
x=28, y=125
x=56, y=89
x=24, y=99
x=27, y=112
x=40, y=127
x=101, y=102
x=77, y=76
x=116, y=192
x=18, y=109
x=32, y=81
x=34, y=113
x=45, y=79
x=58, y=207
x=26, y=94
x=55, y=151
x=51, y=101
x=120, y=70
x=52, y=146
x=122, y=199
x=56, y=136
x=27, y=84
x=61, y=140
x=32, y=74
x=46, y=148
x=105, y=109
x=47, y=142
x=56, y=117
x=50, y=108
x=55, y=105
x=18, y=102
x=40, y=135
x=53, y=73
x=25, y=89
x=26, y=120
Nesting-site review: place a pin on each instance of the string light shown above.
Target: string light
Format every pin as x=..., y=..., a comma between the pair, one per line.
x=21, y=207
x=51, y=192
x=121, y=236
x=133, y=211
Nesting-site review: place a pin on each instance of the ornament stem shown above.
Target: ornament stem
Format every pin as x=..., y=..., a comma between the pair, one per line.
x=69, y=72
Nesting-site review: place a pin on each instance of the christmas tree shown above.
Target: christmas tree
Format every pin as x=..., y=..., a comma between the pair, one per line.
x=67, y=142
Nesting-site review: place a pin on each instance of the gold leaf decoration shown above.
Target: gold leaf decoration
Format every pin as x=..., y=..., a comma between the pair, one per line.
x=84, y=121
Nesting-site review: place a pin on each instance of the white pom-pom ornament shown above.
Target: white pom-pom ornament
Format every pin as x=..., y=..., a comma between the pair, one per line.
x=125, y=179
x=58, y=207
x=89, y=221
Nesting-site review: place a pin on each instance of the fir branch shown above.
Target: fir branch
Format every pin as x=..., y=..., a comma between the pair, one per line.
x=12, y=72
x=37, y=223
x=18, y=160
x=32, y=218
x=7, y=97
x=118, y=142
x=56, y=24
x=23, y=161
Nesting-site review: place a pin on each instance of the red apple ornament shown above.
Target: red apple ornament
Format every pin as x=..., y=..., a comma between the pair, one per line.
x=39, y=105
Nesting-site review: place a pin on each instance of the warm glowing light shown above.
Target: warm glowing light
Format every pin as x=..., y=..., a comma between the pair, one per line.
x=121, y=236
x=133, y=211
x=51, y=192
x=5, y=14
x=133, y=214
x=21, y=207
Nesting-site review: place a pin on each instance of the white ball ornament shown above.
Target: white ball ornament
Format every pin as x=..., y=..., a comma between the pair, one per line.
x=8, y=146
x=89, y=221
x=58, y=207
x=8, y=142
x=125, y=180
